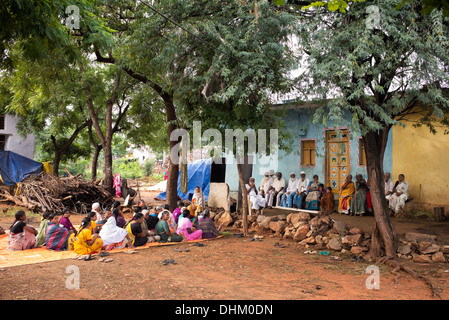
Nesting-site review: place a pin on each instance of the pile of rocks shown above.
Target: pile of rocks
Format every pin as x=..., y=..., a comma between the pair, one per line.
x=319, y=232
x=322, y=232
x=422, y=248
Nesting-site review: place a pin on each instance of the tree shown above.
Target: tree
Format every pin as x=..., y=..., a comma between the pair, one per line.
x=379, y=73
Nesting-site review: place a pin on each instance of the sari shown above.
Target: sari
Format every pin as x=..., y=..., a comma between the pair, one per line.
x=183, y=225
x=113, y=237
x=56, y=237
x=359, y=203
x=197, y=203
x=21, y=241
x=313, y=196
x=81, y=246
x=41, y=232
x=344, y=201
x=160, y=230
x=207, y=225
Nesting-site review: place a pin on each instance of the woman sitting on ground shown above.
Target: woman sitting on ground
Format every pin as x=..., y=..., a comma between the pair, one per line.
x=134, y=229
x=57, y=236
x=163, y=231
x=86, y=242
x=114, y=237
x=100, y=218
x=177, y=212
x=21, y=236
x=185, y=227
x=207, y=226
x=65, y=221
x=42, y=230
x=119, y=217
x=198, y=202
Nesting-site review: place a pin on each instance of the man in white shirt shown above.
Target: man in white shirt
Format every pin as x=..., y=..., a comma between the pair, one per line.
x=388, y=186
x=300, y=197
x=268, y=190
x=263, y=184
x=287, y=197
x=277, y=186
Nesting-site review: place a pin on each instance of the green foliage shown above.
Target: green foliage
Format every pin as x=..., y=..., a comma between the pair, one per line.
x=375, y=73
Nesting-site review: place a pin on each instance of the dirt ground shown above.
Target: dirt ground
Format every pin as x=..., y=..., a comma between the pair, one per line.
x=229, y=268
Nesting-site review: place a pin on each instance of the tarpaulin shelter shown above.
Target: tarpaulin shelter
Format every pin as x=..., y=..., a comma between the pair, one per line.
x=15, y=168
x=198, y=174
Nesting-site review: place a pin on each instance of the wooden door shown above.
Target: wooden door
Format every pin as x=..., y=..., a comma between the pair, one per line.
x=337, y=166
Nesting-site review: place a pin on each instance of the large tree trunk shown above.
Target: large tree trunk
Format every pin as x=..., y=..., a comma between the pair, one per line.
x=56, y=161
x=384, y=235
x=244, y=199
x=94, y=164
x=173, y=169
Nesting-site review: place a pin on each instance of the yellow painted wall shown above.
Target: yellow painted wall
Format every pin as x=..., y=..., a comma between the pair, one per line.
x=423, y=158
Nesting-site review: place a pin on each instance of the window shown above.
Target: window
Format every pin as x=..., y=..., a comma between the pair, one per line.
x=2, y=142
x=308, y=152
x=362, y=155
x=2, y=122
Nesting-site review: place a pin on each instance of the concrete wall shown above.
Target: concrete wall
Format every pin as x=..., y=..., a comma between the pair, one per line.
x=15, y=142
x=423, y=159
x=300, y=125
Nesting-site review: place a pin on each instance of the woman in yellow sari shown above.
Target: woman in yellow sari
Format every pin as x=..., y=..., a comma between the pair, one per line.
x=86, y=242
x=197, y=204
x=347, y=191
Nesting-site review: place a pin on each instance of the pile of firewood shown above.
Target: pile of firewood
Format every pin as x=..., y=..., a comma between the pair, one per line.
x=51, y=193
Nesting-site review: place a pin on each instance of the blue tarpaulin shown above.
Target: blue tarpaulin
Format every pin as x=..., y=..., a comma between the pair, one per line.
x=15, y=168
x=198, y=174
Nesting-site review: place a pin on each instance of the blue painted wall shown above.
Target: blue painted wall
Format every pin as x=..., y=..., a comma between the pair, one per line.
x=301, y=127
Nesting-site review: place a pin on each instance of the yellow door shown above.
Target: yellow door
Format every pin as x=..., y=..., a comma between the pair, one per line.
x=337, y=166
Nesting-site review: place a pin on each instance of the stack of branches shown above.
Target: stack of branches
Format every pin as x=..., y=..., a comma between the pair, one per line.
x=51, y=193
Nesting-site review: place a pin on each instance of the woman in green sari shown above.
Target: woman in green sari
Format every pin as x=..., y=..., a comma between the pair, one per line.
x=359, y=205
x=42, y=230
x=162, y=229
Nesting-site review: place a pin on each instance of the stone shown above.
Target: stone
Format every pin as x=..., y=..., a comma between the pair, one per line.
x=438, y=257
x=260, y=218
x=259, y=229
x=299, y=224
x=352, y=239
x=310, y=240
x=430, y=249
x=288, y=233
x=420, y=237
x=314, y=222
x=304, y=216
x=301, y=233
x=225, y=219
x=251, y=219
x=367, y=235
x=445, y=249
x=289, y=217
x=334, y=244
x=355, y=231
x=421, y=258
x=277, y=226
x=219, y=195
x=325, y=240
x=309, y=234
x=325, y=220
x=358, y=249
x=282, y=217
x=366, y=243
x=266, y=222
x=319, y=239
x=339, y=226
x=238, y=223
x=405, y=249
x=294, y=218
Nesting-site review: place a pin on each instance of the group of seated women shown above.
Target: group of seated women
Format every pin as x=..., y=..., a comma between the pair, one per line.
x=109, y=230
